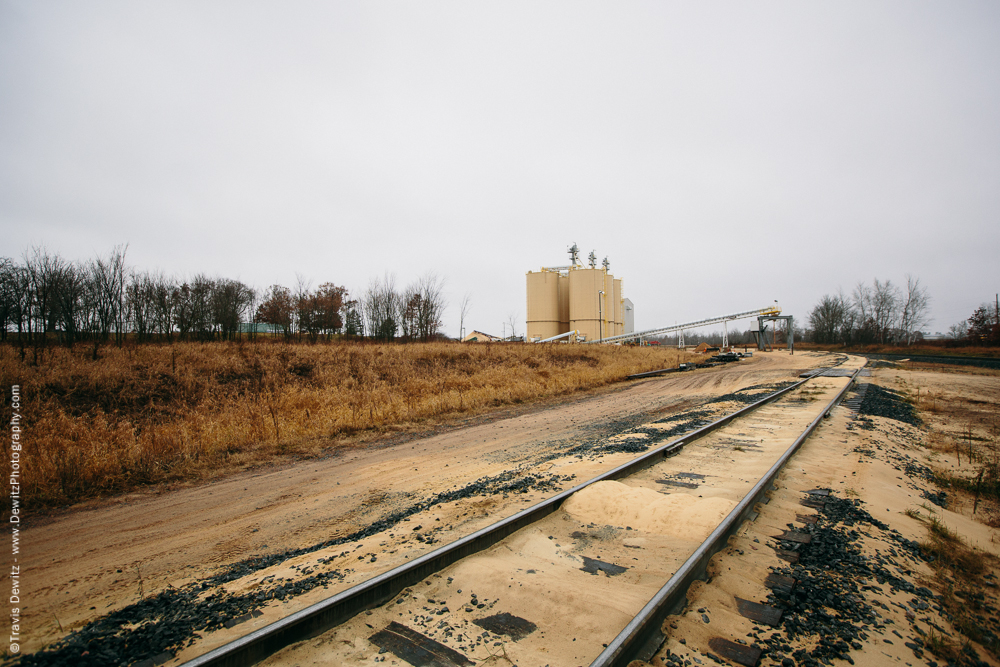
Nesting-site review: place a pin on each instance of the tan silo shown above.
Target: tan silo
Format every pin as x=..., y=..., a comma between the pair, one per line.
x=542, y=319
x=608, y=310
x=563, y=291
x=585, y=286
x=619, y=320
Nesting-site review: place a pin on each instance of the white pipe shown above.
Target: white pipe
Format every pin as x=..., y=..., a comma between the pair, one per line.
x=562, y=335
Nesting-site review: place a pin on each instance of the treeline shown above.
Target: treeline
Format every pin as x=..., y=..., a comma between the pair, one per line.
x=45, y=297
x=881, y=313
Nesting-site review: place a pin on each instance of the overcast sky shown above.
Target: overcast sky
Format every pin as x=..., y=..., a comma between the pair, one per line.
x=722, y=155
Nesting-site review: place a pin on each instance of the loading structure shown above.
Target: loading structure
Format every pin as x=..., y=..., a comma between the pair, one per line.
x=768, y=312
x=577, y=302
x=759, y=331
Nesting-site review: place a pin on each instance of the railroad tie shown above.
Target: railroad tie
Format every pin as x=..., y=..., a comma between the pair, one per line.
x=779, y=582
x=786, y=555
x=160, y=659
x=815, y=499
x=794, y=536
x=855, y=401
x=738, y=653
x=417, y=649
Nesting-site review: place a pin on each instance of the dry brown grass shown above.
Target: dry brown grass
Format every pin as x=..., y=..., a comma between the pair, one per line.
x=959, y=573
x=968, y=429
x=962, y=423
x=151, y=414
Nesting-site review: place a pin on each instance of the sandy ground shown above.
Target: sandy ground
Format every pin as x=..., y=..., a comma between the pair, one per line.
x=880, y=468
x=90, y=560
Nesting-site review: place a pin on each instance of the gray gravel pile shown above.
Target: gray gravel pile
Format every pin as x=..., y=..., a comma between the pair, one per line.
x=828, y=609
x=882, y=402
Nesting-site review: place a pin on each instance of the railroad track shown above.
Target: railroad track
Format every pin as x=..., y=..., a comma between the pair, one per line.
x=528, y=585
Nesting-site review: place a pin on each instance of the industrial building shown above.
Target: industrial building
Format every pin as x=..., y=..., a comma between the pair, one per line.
x=575, y=302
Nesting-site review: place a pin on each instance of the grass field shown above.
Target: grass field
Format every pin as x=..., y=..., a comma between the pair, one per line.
x=153, y=414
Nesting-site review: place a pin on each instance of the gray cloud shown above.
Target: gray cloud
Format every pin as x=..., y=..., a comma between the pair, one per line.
x=721, y=155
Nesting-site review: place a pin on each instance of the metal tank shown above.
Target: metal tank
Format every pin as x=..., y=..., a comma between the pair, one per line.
x=609, y=305
x=585, y=286
x=542, y=319
x=619, y=321
x=563, y=292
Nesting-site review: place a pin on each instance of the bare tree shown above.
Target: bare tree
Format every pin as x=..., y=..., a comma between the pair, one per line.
x=959, y=330
x=107, y=294
x=163, y=305
x=180, y=306
x=827, y=319
x=140, y=300
x=381, y=308
x=44, y=273
x=230, y=301
x=202, y=320
x=914, y=308
x=15, y=298
x=512, y=323
x=7, y=300
x=851, y=318
x=861, y=301
x=432, y=305
x=72, y=302
x=409, y=313
x=464, y=306
x=885, y=308
x=304, y=315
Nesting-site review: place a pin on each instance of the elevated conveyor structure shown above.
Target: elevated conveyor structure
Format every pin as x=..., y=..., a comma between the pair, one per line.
x=768, y=311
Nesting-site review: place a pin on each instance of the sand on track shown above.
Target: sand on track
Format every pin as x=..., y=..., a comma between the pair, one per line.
x=677, y=514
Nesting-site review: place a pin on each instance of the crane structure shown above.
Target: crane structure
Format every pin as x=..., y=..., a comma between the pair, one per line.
x=769, y=311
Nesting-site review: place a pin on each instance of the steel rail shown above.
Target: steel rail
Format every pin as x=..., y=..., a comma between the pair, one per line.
x=643, y=636
x=337, y=609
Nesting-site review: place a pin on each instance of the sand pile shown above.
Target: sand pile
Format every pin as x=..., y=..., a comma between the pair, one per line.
x=678, y=514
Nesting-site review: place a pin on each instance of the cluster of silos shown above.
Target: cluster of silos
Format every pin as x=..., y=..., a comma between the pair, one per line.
x=587, y=300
